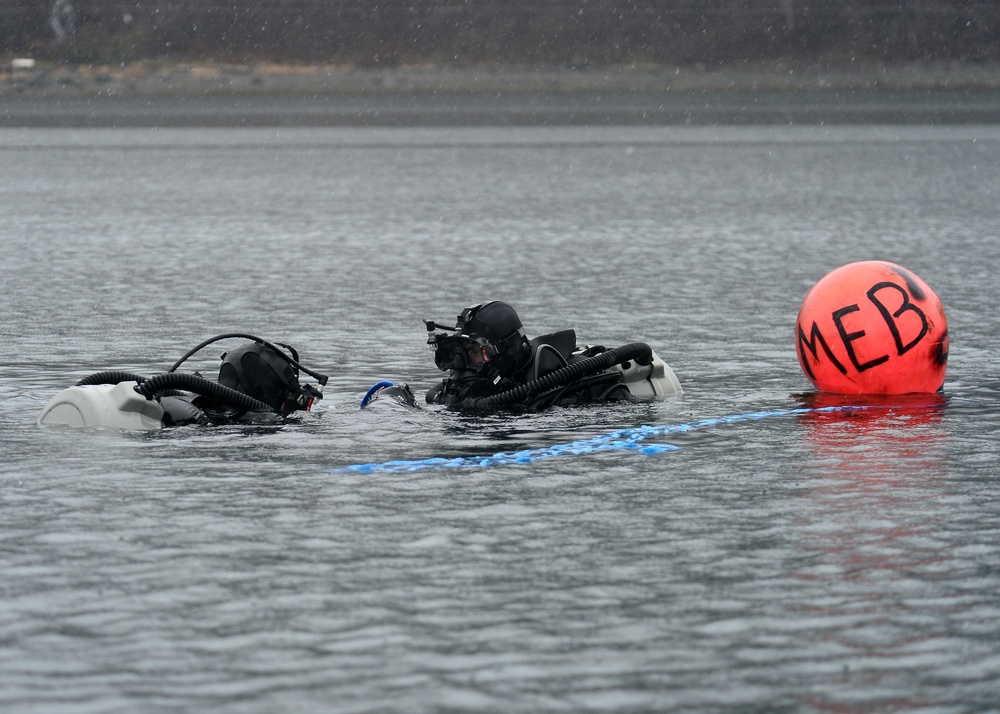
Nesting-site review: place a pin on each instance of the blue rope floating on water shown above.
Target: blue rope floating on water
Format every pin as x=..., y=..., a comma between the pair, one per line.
x=629, y=439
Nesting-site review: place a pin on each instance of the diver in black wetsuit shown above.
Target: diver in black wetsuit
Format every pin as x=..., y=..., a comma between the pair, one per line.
x=258, y=384
x=491, y=362
x=259, y=370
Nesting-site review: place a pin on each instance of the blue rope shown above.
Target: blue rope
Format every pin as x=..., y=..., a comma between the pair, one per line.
x=620, y=440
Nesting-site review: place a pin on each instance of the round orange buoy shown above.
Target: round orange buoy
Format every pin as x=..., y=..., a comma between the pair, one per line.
x=872, y=328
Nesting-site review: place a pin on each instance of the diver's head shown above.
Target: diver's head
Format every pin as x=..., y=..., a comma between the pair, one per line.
x=489, y=341
x=264, y=373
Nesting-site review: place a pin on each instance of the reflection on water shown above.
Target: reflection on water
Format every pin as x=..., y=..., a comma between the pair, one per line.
x=773, y=559
x=884, y=580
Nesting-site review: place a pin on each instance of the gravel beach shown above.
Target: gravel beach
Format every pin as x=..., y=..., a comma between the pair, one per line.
x=192, y=79
x=144, y=94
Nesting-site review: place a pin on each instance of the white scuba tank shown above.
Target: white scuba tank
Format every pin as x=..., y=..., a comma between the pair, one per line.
x=649, y=380
x=116, y=406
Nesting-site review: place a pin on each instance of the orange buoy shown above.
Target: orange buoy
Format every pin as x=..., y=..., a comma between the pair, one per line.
x=872, y=327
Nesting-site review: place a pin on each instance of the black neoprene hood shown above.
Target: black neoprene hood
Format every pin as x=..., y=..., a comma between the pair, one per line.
x=495, y=320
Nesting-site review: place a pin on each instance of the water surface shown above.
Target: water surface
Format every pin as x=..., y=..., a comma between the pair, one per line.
x=798, y=562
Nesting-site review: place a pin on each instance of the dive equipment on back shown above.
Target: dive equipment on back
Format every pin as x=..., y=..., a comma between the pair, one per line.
x=492, y=364
x=258, y=381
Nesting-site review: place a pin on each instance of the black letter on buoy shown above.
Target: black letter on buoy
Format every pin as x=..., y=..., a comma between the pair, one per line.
x=849, y=337
x=890, y=317
x=815, y=336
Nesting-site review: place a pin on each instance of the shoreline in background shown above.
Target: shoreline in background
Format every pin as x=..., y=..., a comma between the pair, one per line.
x=150, y=80
x=207, y=95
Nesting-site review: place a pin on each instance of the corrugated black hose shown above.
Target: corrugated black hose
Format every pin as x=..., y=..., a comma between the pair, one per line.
x=638, y=351
x=149, y=387
x=110, y=377
x=204, y=387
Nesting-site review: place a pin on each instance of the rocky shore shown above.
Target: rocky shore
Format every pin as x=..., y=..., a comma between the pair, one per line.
x=270, y=95
x=25, y=79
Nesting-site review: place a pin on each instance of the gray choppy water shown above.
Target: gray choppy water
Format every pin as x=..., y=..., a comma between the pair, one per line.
x=797, y=563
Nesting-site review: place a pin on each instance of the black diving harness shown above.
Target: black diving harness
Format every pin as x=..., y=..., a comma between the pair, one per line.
x=173, y=380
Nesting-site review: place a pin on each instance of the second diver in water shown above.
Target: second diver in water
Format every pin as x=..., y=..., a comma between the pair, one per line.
x=492, y=363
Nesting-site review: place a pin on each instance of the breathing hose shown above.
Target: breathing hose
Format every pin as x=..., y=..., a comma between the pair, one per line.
x=149, y=386
x=321, y=378
x=204, y=387
x=638, y=351
x=549, y=397
x=110, y=377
